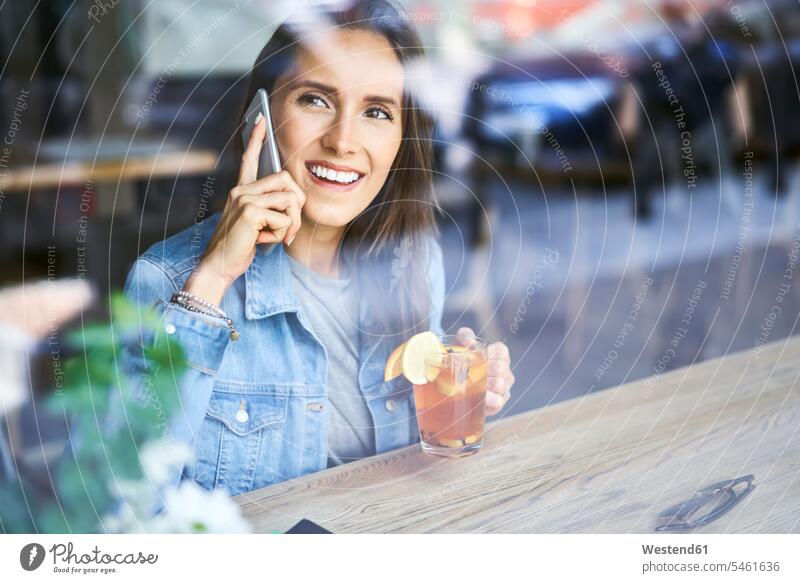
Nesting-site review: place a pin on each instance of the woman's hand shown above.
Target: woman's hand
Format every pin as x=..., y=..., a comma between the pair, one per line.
x=500, y=378
x=265, y=210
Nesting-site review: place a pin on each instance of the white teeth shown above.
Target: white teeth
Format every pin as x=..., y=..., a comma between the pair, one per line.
x=330, y=174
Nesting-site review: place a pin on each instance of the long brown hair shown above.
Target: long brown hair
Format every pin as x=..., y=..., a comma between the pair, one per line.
x=388, y=241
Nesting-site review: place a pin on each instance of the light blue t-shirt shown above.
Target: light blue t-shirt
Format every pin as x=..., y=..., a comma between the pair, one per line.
x=332, y=307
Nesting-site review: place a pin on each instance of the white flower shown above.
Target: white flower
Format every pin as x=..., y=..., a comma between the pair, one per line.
x=191, y=508
x=185, y=508
x=136, y=494
x=164, y=458
x=126, y=519
x=188, y=508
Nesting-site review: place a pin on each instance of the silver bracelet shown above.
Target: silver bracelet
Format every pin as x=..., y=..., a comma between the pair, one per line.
x=216, y=310
x=200, y=306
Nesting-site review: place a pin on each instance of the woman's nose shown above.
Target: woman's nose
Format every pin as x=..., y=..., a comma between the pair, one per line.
x=341, y=136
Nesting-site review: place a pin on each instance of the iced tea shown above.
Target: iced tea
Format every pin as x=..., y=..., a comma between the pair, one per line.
x=451, y=405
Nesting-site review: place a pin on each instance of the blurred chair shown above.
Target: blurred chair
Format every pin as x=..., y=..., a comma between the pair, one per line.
x=700, y=71
x=772, y=118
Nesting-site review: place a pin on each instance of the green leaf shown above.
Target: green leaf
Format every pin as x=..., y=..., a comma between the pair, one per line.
x=92, y=336
x=129, y=316
x=14, y=516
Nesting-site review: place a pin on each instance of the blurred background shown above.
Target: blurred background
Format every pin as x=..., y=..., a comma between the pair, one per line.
x=618, y=179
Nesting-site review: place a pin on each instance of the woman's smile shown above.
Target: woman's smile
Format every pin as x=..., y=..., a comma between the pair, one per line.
x=334, y=176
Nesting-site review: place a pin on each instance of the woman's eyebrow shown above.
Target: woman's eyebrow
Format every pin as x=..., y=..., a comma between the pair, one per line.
x=332, y=91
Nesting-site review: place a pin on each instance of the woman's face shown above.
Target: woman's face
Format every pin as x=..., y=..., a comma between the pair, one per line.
x=337, y=116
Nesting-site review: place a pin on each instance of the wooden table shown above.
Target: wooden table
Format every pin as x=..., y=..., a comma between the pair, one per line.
x=607, y=462
x=165, y=164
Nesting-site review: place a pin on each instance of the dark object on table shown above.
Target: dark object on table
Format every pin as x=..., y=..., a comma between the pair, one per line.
x=706, y=505
x=306, y=526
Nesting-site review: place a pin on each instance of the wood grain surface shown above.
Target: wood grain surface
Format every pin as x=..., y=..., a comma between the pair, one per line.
x=166, y=164
x=608, y=462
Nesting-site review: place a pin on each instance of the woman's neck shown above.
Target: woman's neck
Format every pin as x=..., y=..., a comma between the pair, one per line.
x=315, y=246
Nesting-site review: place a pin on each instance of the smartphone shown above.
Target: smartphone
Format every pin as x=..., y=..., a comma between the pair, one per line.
x=269, y=162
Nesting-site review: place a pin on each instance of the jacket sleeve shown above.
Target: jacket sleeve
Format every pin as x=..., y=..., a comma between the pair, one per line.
x=203, y=338
x=436, y=277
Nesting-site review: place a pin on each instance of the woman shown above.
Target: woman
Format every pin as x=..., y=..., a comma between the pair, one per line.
x=320, y=269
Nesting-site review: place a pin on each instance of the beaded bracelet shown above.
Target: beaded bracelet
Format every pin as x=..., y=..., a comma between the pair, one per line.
x=200, y=306
x=193, y=299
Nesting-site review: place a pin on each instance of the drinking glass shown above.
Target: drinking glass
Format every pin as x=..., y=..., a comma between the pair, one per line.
x=451, y=405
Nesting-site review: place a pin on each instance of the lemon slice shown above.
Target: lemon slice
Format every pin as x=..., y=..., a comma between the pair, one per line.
x=394, y=367
x=478, y=373
x=421, y=351
x=447, y=385
x=433, y=372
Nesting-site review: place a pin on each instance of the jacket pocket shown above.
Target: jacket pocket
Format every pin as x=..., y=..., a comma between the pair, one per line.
x=240, y=435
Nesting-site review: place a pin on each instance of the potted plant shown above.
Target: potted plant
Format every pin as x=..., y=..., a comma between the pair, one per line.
x=115, y=477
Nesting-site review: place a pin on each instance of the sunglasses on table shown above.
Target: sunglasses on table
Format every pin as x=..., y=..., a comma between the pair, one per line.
x=706, y=504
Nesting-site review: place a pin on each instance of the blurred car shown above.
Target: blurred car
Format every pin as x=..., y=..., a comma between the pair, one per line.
x=552, y=116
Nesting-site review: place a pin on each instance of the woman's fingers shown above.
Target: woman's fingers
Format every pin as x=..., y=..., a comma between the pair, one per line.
x=495, y=402
x=280, y=181
x=272, y=186
x=277, y=201
x=260, y=218
x=498, y=351
x=498, y=385
x=465, y=336
x=248, y=170
x=288, y=203
x=294, y=213
x=499, y=379
x=281, y=201
x=267, y=237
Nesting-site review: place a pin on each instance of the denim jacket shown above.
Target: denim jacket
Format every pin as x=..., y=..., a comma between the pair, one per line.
x=255, y=410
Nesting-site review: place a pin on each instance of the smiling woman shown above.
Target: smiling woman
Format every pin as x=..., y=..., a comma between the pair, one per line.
x=317, y=271
x=339, y=112
x=342, y=104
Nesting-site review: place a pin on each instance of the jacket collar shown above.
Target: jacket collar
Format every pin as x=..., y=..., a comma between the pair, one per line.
x=268, y=283
x=269, y=290
x=269, y=287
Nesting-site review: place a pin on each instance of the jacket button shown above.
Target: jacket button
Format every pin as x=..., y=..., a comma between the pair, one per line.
x=241, y=414
x=390, y=405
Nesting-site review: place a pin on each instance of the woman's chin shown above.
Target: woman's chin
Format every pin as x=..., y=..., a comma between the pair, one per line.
x=326, y=214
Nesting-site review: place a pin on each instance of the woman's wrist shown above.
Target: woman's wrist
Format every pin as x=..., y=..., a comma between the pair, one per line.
x=207, y=284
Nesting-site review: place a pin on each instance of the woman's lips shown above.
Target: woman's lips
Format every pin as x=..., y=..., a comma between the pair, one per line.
x=337, y=186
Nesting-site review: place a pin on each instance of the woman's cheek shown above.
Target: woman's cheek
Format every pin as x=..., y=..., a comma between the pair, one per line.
x=293, y=135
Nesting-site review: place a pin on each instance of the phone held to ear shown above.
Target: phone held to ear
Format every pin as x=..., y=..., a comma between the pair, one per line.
x=269, y=161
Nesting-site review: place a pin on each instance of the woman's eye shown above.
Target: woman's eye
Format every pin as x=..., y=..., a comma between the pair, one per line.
x=314, y=100
x=311, y=99
x=381, y=113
